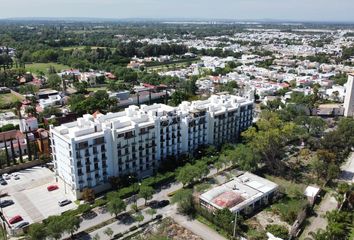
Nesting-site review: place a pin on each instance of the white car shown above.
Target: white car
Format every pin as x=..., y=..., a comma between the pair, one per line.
x=16, y=177
x=6, y=176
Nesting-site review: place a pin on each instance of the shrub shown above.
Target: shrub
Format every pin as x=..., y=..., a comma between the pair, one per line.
x=84, y=208
x=278, y=231
x=133, y=228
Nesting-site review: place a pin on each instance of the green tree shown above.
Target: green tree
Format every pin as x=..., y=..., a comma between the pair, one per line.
x=115, y=206
x=109, y=232
x=139, y=218
x=184, y=200
x=56, y=227
x=54, y=82
x=187, y=174
x=146, y=192
x=81, y=87
x=71, y=224
x=37, y=231
x=151, y=212
x=246, y=158
x=279, y=231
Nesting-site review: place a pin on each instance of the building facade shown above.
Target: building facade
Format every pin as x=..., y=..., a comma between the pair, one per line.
x=135, y=141
x=349, y=97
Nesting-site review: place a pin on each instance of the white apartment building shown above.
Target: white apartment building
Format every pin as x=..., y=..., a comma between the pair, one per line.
x=349, y=97
x=88, y=151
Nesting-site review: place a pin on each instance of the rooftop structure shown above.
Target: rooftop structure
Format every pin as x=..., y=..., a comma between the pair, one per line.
x=242, y=194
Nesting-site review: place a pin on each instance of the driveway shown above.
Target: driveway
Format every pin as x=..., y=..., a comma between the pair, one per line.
x=347, y=168
x=197, y=228
x=319, y=221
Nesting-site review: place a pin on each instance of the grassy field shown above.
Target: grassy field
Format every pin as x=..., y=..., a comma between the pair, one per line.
x=291, y=189
x=8, y=98
x=43, y=67
x=94, y=89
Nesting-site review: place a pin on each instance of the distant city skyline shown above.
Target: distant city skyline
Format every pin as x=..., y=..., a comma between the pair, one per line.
x=287, y=10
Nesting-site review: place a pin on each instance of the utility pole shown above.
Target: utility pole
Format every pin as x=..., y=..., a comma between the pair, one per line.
x=235, y=223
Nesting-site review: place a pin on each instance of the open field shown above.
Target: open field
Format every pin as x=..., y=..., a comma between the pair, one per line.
x=8, y=98
x=43, y=67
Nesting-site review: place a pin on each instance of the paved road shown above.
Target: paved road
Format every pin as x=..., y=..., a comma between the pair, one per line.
x=319, y=221
x=197, y=228
x=347, y=173
x=161, y=195
x=122, y=226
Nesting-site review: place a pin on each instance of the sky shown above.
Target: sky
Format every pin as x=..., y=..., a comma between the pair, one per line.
x=297, y=10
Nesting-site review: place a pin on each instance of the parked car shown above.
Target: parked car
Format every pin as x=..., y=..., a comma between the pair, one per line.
x=21, y=225
x=153, y=204
x=15, y=176
x=3, y=182
x=158, y=216
x=15, y=219
x=6, y=203
x=6, y=176
x=52, y=188
x=64, y=202
x=163, y=203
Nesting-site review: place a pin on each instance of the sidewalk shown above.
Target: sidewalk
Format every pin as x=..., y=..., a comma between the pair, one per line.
x=319, y=221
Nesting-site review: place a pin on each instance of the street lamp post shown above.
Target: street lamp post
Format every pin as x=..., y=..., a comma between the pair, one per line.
x=235, y=223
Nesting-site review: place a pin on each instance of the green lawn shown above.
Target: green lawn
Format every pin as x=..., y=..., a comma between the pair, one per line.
x=290, y=188
x=43, y=67
x=95, y=89
x=8, y=98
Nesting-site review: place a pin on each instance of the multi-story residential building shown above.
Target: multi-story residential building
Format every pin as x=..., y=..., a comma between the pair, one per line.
x=88, y=151
x=349, y=97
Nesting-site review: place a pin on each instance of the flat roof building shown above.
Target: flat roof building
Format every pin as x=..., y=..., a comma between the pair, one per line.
x=135, y=141
x=242, y=194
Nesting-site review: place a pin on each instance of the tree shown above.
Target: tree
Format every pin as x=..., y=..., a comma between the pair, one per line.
x=71, y=224
x=187, y=174
x=139, y=218
x=109, y=232
x=54, y=82
x=151, y=212
x=88, y=195
x=224, y=218
x=116, y=206
x=56, y=226
x=37, y=231
x=184, y=200
x=81, y=87
x=146, y=192
x=269, y=137
x=246, y=158
x=96, y=237
x=278, y=231
x=177, y=97
x=134, y=207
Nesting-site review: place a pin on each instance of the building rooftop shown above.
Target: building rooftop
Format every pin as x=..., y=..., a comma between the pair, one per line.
x=239, y=192
x=143, y=116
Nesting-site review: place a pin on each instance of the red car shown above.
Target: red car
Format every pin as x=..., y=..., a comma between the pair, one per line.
x=52, y=188
x=15, y=219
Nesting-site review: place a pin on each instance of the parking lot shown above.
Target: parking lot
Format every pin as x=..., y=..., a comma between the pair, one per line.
x=32, y=201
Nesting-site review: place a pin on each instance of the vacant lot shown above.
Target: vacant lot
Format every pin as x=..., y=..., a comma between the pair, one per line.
x=43, y=67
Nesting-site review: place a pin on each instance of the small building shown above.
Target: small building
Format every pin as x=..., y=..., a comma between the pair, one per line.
x=311, y=193
x=243, y=194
